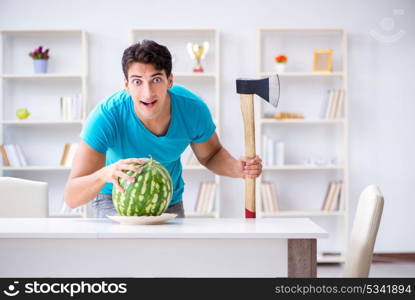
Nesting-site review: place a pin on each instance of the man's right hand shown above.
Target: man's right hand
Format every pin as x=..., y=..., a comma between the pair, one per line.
x=112, y=172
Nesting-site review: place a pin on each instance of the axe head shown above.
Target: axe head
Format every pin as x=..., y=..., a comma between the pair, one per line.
x=266, y=88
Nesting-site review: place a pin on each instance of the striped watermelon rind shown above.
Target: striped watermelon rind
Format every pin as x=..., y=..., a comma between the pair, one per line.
x=149, y=195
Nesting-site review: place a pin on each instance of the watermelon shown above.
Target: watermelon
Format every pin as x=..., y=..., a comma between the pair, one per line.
x=149, y=195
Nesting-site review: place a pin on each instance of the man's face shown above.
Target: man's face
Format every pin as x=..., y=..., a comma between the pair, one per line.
x=148, y=88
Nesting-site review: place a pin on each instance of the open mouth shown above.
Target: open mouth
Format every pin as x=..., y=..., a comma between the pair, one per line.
x=149, y=104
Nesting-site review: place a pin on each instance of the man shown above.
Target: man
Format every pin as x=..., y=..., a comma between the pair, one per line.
x=150, y=117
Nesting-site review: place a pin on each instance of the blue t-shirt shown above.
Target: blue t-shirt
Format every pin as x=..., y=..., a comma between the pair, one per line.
x=114, y=129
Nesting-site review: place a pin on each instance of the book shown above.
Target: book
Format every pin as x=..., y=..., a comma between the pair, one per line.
x=333, y=200
x=21, y=156
x=201, y=197
x=274, y=197
x=71, y=107
x=334, y=104
x=64, y=154
x=335, y=204
x=12, y=155
x=329, y=104
x=199, y=194
x=342, y=198
x=78, y=107
x=208, y=191
x=68, y=154
x=269, y=197
x=4, y=156
x=324, y=105
x=329, y=186
x=329, y=196
x=264, y=198
x=212, y=198
x=279, y=153
x=273, y=151
x=206, y=197
x=340, y=105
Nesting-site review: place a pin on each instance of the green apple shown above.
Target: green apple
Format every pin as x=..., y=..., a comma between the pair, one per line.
x=22, y=113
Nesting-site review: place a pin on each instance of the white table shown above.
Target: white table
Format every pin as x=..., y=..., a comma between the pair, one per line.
x=62, y=247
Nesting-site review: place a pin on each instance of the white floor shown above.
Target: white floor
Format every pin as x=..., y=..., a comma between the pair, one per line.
x=378, y=269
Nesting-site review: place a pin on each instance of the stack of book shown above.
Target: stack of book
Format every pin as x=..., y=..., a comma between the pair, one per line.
x=333, y=104
x=68, y=154
x=192, y=160
x=206, y=197
x=65, y=209
x=273, y=152
x=269, y=197
x=71, y=107
x=333, y=200
x=12, y=155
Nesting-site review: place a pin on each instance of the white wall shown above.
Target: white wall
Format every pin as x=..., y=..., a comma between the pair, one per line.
x=381, y=81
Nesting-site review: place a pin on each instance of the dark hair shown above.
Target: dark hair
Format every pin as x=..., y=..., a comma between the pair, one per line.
x=147, y=52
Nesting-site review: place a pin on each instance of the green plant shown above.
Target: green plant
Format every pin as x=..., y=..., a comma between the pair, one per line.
x=39, y=54
x=281, y=59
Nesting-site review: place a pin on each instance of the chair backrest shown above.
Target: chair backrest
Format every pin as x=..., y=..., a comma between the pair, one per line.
x=364, y=232
x=21, y=198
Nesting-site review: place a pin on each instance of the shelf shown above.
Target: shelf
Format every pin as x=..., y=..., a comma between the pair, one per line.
x=47, y=31
x=309, y=30
x=303, y=74
x=21, y=87
x=66, y=215
x=35, y=168
x=193, y=214
x=40, y=122
x=301, y=167
x=307, y=92
x=42, y=76
x=302, y=213
x=300, y=121
x=172, y=29
x=195, y=167
x=338, y=258
x=194, y=75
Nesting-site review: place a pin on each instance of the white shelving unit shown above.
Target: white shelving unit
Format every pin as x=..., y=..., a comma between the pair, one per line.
x=42, y=136
x=206, y=85
x=301, y=188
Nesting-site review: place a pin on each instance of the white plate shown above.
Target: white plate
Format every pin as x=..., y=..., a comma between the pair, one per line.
x=142, y=220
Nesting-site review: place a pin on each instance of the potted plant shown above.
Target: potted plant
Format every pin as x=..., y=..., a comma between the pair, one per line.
x=281, y=61
x=40, y=59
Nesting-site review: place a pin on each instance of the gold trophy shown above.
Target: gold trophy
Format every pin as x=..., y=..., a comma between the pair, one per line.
x=198, y=52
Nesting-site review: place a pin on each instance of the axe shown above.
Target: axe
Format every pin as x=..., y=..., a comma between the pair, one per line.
x=269, y=90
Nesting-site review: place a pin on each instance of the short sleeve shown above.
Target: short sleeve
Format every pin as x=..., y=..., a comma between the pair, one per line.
x=99, y=129
x=205, y=127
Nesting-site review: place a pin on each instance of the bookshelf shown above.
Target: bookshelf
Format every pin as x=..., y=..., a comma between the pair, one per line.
x=302, y=185
x=42, y=136
x=206, y=85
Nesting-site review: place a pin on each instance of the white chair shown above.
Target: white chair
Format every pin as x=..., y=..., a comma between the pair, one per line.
x=364, y=232
x=21, y=198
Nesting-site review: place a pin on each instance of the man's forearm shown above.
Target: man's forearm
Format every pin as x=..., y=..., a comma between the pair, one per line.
x=222, y=163
x=81, y=190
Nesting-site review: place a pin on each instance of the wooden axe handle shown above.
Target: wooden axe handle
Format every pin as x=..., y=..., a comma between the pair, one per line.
x=247, y=108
